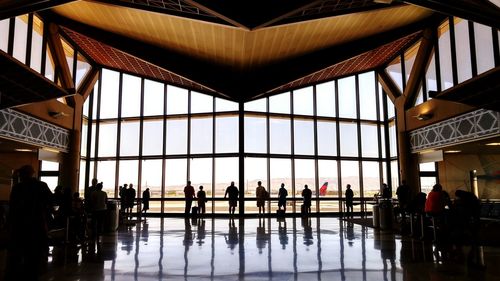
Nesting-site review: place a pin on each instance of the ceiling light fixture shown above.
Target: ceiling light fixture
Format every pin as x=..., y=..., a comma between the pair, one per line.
x=383, y=1
x=453, y=151
x=493, y=144
x=58, y=114
x=23, y=150
x=423, y=116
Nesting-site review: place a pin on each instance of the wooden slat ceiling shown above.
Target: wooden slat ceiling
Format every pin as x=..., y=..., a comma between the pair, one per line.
x=239, y=48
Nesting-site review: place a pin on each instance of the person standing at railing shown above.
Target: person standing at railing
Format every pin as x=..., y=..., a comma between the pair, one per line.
x=349, y=200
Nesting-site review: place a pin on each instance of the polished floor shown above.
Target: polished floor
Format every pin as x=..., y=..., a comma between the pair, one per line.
x=266, y=249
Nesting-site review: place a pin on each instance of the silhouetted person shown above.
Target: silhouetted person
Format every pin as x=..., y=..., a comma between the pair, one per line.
x=307, y=195
x=465, y=213
x=386, y=191
x=29, y=208
x=403, y=194
x=188, y=196
x=202, y=200
x=98, y=201
x=261, y=194
x=131, y=194
x=79, y=219
x=232, y=192
x=435, y=202
x=146, y=195
x=349, y=198
x=123, y=197
x=88, y=192
x=282, y=194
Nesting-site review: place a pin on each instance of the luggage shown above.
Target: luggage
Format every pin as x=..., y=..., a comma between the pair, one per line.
x=194, y=211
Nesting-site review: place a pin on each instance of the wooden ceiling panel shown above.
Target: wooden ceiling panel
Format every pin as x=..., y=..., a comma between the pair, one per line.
x=237, y=47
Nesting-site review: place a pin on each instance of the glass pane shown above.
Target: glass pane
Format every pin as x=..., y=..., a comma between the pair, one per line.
x=348, y=139
x=394, y=176
x=153, y=98
x=381, y=101
x=49, y=166
x=51, y=182
x=176, y=136
x=93, y=140
x=328, y=179
x=280, y=103
x=484, y=48
x=151, y=178
x=304, y=174
x=69, y=53
x=226, y=134
x=255, y=171
x=303, y=137
x=256, y=105
x=129, y=138
x=426, y=184
x=109, y=94
x=82, y=68
x=222, y=105
x=395, y=72
x=327, y=138
x=445, y=56
x=175, y=178
x=371, y=178
x=95, y=99
x=152, y=142
x=81, y=180
x=325, y=99
x=303, y=101
x=83, y=140
x=106, y=175
x=281, y=172
x=201, y=135
x=463, y=50
x=129, y=173
x=347, y=97
x=369, y=140
x=36, y=44
x=410, y=56
x=350, y=175
x=49, y=65
x=382, y=140
x=255, y=134
x=427, y=167
x=367, y=97
x=280, y=135
x=393, y=139
x=430, y=75
x=131, y=96
x=107, y=139
x=201, y=103
x=391, y=111
x=201, y=174
x=226, y=171
x=20, y=38
x=4, y=34
x=177, y=100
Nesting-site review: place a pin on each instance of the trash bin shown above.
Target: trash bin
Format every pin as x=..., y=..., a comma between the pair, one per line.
x=112, y=216
x=385, y=213
x=375, y=211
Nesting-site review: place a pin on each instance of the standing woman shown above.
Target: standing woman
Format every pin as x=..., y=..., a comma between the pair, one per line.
x=146, y=195
x=202, y=199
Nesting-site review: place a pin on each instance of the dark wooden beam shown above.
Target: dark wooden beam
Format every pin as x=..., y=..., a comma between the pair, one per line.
x=213, y=12
x=480, y=91
x=390, y=88
x=474, y=10
x=61, y=65
x=13, y=8
x=417, y=73
x=288, y=14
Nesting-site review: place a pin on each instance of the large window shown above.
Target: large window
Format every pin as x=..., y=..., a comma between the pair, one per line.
x=159, y=136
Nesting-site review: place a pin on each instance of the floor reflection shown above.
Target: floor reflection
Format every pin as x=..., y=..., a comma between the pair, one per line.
x=284, y=249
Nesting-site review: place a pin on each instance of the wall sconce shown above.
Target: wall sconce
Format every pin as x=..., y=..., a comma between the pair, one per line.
x=58, y=114
x=423, y=116
x=383, y=1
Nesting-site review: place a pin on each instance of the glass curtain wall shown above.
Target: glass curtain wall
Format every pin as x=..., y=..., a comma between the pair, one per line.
x=159, y=136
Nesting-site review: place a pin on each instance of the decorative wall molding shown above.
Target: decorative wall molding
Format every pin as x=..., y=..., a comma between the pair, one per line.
x=24, y=128
x=467, y=127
